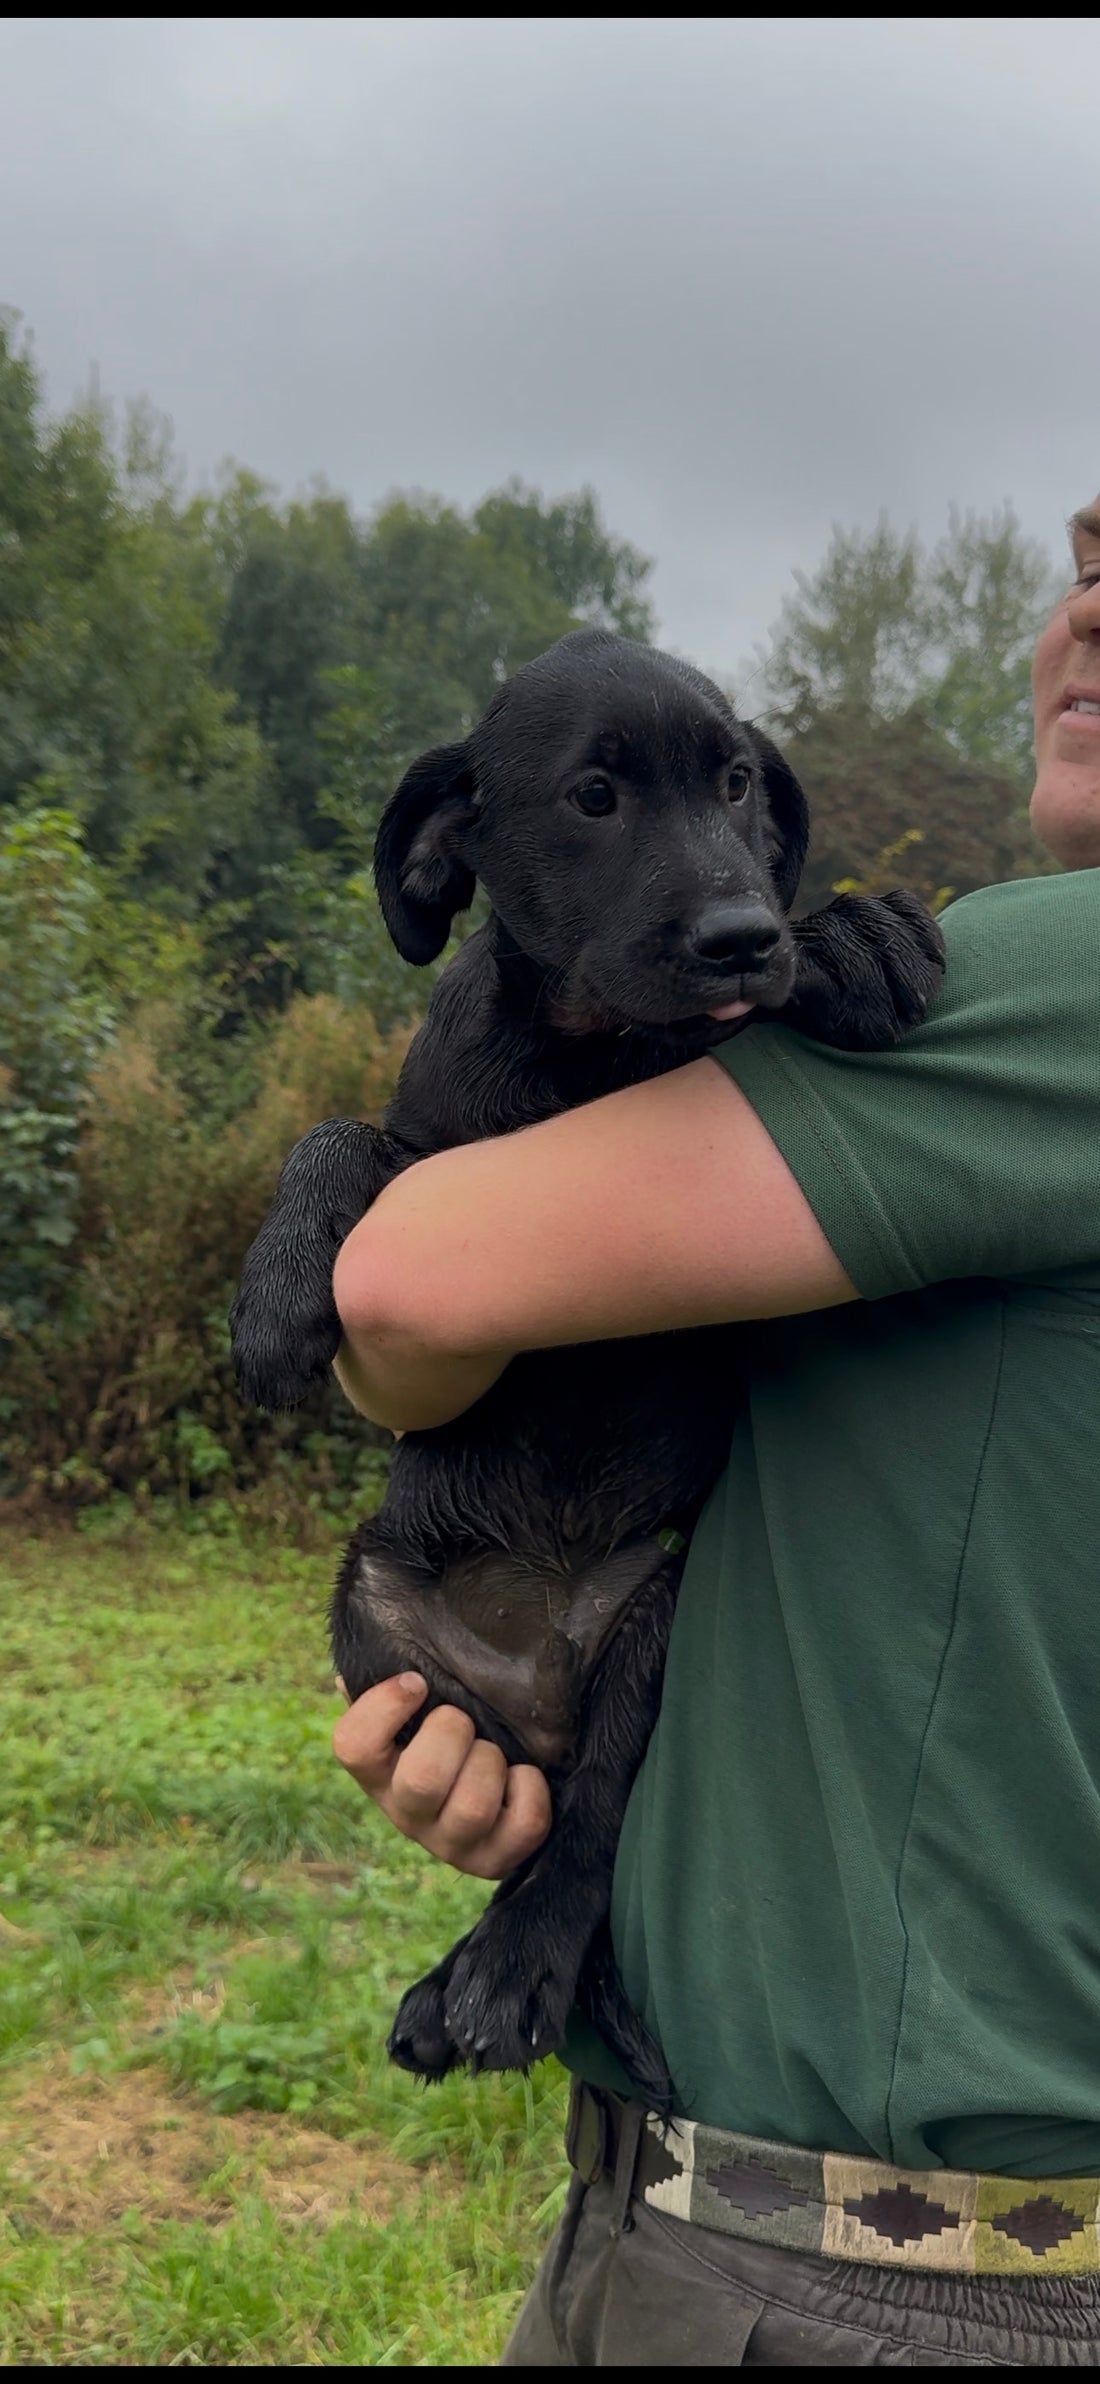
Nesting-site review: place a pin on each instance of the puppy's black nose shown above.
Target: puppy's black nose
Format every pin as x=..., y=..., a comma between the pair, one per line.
x=744, y=933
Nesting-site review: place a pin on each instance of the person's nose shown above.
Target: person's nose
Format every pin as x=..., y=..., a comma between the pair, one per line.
x=1083, y=614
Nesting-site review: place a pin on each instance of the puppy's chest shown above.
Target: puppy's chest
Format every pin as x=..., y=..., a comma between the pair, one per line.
x=487, y=1061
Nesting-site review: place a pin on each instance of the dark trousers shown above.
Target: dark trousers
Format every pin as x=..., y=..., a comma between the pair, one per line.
x=659, y=2293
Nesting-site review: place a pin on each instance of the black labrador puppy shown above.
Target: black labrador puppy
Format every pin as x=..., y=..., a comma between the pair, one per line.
x=641, y=848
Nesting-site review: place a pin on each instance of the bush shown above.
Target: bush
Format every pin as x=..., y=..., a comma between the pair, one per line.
x=128, y=1385
x=53, y=1027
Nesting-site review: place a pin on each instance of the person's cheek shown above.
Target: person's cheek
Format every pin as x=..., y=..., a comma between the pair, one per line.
x=1048, y=674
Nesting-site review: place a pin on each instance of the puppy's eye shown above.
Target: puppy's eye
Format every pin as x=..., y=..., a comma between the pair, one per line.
x=596, y=798
x=738, y=784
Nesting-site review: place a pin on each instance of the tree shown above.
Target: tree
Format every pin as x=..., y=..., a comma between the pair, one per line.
x=886, y=629
x=899, y=681
x=107, y=703
x=204, y=702
x=353, y=645
x=451, y=605
x=223, y=690
x=292, y=613
x=565, y=544
x=852, y=639
x=893, y=804
x=988, y=591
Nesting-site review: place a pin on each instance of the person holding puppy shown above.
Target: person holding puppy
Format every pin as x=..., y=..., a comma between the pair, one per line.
x=855, y=1897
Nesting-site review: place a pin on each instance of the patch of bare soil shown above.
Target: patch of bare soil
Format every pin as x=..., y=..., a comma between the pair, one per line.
x=75, y=2153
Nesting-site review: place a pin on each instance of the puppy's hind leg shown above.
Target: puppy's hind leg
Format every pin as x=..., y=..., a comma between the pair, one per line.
x=601, y=1997
x=513, y=1983
x=420, y=2040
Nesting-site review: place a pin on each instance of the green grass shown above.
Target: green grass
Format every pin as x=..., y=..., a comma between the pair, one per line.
x=205, y=2158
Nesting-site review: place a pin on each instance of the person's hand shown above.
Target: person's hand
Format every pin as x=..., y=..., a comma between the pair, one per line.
x=449, y=1789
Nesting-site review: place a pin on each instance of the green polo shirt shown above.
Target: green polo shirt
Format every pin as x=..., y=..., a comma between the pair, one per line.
x=858, y=1890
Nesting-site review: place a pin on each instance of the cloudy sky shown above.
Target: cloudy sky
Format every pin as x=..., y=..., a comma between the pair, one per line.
x=746, y=277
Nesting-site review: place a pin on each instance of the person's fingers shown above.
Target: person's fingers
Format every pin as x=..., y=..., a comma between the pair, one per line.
x=528, y=1805
x=523, y=1822
x=528, y=1812
x=473, y=1807
x=427, y=1770
x=452, y=1792
x=363, y=1740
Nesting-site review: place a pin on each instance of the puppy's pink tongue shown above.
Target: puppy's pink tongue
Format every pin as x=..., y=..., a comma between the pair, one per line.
x=732, y=1010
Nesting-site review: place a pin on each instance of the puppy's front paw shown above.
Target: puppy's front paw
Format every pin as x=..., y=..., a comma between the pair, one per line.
x=869, y=967
x=284, y=1326
x=915, y=955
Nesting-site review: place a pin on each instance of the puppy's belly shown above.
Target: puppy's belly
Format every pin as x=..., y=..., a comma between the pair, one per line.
x=521, y=1638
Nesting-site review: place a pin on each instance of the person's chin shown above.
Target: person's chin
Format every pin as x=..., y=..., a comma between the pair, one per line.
x=1065, y=811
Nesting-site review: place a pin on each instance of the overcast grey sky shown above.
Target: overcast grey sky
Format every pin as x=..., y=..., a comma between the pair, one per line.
x=746, y=277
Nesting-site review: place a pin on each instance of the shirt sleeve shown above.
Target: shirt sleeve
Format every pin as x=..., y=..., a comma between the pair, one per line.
x=973, y=1147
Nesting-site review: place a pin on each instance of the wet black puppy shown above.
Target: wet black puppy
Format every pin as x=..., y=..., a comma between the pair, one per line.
x=641, y=849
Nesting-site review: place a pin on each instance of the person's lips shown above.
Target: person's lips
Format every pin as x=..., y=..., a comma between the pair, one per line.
x=1081, y=705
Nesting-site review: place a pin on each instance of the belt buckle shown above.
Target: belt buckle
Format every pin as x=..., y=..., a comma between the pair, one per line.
x=586, y=2133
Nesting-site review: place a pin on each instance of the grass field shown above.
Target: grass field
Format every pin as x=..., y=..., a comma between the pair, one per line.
x=205, y=2158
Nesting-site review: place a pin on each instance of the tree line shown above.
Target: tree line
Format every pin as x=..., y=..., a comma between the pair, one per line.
x=205, y=699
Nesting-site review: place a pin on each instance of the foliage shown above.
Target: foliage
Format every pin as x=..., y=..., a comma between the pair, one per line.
x=876, y=785
x=357, y=647
x=849, y=639
x=990, y=590
x=107, y=699
x=53, y=1025
x=899, y=682
x=126, y=1384
x=885, y=629
x=205, y=700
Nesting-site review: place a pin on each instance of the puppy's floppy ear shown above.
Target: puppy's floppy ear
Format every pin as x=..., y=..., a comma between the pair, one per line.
x=790, y=817
x=420, y=867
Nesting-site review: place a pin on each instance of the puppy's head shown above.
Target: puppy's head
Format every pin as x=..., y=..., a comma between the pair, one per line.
x=640, y=844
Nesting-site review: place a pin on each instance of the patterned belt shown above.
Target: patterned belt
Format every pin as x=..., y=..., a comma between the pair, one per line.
x=953, y=2220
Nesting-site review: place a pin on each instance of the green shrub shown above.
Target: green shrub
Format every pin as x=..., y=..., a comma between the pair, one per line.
x=127, y=1386
x=53, y=1026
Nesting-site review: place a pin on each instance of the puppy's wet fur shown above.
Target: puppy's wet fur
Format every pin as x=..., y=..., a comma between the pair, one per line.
x=641, y=849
